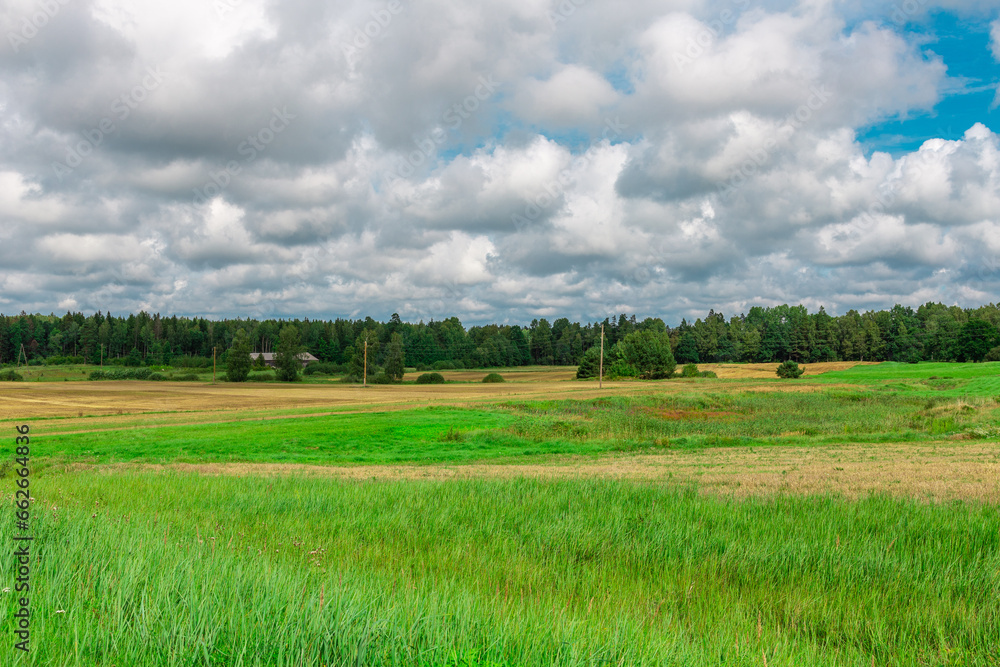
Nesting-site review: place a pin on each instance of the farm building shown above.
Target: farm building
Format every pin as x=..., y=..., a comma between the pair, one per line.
x=305, y=358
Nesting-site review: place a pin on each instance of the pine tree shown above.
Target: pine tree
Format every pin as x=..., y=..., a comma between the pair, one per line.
x=395, y=364
x=286, y=355
x=238, y=361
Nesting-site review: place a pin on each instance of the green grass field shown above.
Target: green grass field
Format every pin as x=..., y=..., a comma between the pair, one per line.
x=161, y=568
x=704, y=416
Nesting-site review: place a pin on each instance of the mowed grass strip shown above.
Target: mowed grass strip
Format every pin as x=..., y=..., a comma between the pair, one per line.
x=143, y=569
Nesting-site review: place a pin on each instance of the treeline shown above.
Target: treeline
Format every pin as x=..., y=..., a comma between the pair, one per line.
x=932, y=332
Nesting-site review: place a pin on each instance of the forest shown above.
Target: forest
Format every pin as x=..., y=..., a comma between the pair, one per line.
x=932, y=332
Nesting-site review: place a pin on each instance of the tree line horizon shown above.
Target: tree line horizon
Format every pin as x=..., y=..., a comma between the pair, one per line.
x=932, y=332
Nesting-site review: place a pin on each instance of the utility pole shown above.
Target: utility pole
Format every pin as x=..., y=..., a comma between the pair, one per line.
x=600, y=363
x=365, y=373
x=213, y=365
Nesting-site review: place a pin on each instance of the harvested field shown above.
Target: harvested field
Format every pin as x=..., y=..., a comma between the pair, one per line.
x=112, y=400
x=767, y=371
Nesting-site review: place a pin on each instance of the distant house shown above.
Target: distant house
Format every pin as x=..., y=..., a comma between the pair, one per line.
x=305, y=358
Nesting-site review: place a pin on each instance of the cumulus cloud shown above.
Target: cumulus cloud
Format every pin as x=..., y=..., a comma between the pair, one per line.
x=496, y=161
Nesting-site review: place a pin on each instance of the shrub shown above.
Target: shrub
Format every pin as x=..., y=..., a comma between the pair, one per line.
x=708, y=374
x=993, y=355
x=790, y=369
x=185, y=377
x=381, y=378
x=322, y=368
x=157, y=376
x=620, y=368
x=192, y=362
x=430, y=378
x=262, y=376
x=121, y=374
x=493, y=377
x=690, y=371
x=60, y=360
x=444, y=366
x=11, y=376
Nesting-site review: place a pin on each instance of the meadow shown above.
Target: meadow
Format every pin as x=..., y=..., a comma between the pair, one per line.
x=845, y=518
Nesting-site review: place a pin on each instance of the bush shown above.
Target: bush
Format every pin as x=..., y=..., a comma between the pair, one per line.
x=444, y=366
x=430, y=378
x=690, y=371
x=192, y=362
x=493, y=377
x=790, y=369
x=262, y=376
x=61, y=361
x=157, y=376
x=381, y=378
x=11, y=376
x=185, y=377
x=323, y=368
x=620, y=368
x=993, y=355
x=708, y=374
x=121, y=374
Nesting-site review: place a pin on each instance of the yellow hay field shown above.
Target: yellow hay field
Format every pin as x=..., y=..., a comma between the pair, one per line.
x=767, y=371
x=95, y=405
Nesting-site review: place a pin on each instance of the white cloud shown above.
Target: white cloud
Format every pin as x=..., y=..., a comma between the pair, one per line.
x=665, y=157
x=574, y=94
x=90, y=248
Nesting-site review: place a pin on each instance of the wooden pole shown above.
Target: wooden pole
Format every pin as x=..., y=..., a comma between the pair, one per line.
x=600, y=363
x=365, y=381
x=213, y=365
x=102, y=355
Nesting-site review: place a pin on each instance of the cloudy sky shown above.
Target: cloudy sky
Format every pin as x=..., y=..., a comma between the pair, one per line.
x=497, y=160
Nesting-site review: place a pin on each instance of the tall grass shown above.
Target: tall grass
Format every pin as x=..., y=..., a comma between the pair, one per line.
x=749, y=417
x=170, y=569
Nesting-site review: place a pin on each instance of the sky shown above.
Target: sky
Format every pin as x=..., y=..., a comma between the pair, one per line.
x=498, y=161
